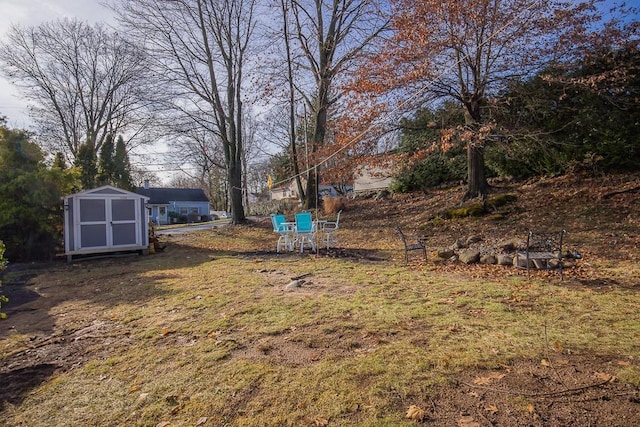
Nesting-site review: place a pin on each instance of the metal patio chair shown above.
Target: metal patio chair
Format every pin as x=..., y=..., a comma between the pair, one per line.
x=305, y=231
x=418, y=246
x=328, y=228
x=286, y=237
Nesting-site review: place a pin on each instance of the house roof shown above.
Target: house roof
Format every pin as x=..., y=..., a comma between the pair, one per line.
x=159, y=196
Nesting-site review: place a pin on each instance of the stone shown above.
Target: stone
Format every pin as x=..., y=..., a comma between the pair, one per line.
x=521, y=262
x=294, y=284
x=507, y=245
x=488, y=259
x=473, y=239
x=457, y=245
x=445, y=253
x=505, y=259
x=470, y=256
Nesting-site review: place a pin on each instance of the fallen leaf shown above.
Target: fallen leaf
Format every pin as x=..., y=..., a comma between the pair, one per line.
x=530, y=408
x=624, y=363
x=467, y=422
x=165, y=331
x=201, y=421
x=544, y=362
x=557, y=346
x=415, y=413
x=321, y=422
x=605, y=377
x=494, y=376
x=491, y=408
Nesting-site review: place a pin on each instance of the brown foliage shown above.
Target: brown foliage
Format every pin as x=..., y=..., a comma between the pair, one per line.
x=464, y=50
x=332, y=205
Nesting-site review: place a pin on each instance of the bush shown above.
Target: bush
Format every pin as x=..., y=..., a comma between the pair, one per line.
x=523, y=159
x=273, y=206
x=332, y=205
x=437, y=168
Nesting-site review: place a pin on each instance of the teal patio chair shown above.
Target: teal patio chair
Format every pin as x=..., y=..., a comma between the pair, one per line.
x=285, y=238
x=305, y=231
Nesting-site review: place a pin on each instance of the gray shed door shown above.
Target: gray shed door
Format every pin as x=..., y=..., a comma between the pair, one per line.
x=105, y=222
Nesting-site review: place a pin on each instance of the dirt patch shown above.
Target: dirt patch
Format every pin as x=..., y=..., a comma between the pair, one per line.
x=568, y=390
x=47, y=354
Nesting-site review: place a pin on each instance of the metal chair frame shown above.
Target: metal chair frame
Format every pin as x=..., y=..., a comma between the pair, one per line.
x=285, y=234
x=328, y=228
x=305, y=231
x=418, y=246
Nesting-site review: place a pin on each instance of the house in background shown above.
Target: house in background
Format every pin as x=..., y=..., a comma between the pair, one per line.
x=192, y=203
x=290, y=190
x=372, y=178
x=286, y=191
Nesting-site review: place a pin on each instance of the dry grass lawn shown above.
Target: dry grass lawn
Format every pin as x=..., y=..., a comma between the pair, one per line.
x=206, y=333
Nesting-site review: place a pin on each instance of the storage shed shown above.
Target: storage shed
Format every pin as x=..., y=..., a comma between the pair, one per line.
x=103, y=220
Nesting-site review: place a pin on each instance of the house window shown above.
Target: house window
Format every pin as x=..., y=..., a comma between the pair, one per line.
x=183, y=211
x=163, y=211
x=194, y=211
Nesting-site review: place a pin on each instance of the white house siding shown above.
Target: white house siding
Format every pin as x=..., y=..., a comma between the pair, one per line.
x=371, y=178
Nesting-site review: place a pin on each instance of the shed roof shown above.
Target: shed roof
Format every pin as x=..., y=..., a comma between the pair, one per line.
x=106, y=191
x=158, y=196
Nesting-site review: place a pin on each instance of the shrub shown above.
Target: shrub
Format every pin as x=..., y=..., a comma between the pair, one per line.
x=332, y=205
x=435, y=169
x=273, y=206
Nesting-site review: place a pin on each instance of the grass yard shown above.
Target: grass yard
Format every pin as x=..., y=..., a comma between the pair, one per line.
x=207, y=332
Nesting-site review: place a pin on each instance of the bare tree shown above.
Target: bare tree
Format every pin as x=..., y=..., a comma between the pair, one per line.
x=85, y=82
x=330, y=33
x=199, y=50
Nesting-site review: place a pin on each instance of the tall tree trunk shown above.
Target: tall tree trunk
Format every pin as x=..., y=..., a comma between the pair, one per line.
x=319, y=132
x=477, y=183
x=476, y=180
x=292, y=102
x=235, y=193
